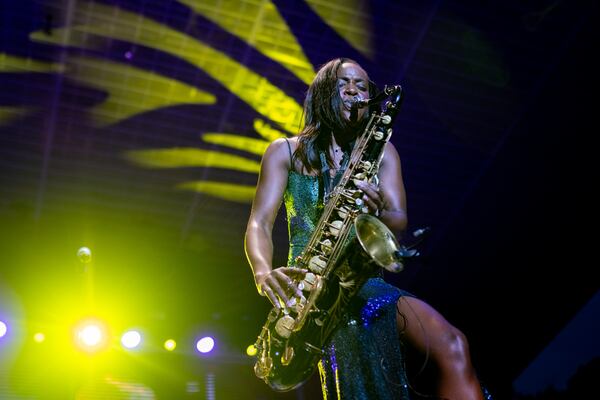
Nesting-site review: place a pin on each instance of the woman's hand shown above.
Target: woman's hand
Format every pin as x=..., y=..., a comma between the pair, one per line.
x=278, y=285
x=372, y=197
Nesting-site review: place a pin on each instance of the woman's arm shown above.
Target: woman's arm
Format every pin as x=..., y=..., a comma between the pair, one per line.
x=390, y=197
x=258, y=239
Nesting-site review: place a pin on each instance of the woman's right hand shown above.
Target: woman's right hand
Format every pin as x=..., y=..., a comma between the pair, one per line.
x=279, y=286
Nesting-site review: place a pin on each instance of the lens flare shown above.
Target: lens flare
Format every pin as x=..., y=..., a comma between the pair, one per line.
x=91, y=335
x=131, y=339
x=3, y=328
x=170, y=345
x=39, y=337
x=205, y=345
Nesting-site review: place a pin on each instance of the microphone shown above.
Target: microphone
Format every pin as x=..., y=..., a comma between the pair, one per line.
x=354, y=112
x=354, y=108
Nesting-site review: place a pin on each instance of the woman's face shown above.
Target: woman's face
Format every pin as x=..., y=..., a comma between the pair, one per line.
x=353, y=85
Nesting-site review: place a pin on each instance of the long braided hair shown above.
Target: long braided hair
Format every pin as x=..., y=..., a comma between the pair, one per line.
x=323, y=115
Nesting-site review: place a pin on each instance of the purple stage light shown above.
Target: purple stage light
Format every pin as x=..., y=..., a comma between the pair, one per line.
x=3, y=328
x=205, y=345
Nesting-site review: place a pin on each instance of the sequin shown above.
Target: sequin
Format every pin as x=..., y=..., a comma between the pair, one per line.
x=364, y=357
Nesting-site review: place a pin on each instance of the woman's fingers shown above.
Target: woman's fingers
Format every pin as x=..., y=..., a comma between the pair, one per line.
x=280, y=285
x=287, y=282
x=271, y=296
x=295, y=272
x=372, y=197
x=276, y=284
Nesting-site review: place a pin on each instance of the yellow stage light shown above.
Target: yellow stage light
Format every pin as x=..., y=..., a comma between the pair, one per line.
x=251, y=350
x=91, y=335
x=39, y=337
x=170, y=345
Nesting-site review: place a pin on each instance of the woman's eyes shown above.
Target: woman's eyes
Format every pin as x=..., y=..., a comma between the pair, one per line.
x=362, y=88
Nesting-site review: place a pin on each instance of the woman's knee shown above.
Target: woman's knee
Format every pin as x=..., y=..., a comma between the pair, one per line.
x=453, y=348
x=428, y=331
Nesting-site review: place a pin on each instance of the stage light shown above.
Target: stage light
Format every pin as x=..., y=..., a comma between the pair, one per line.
x=170, y=345
x=90, y=335
x=3, y=328
x=251, y=350
x=205, y=345
x=39, y=337
x=131, y=339
x=84, y=254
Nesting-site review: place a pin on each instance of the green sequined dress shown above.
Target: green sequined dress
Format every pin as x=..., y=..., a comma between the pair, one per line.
x=364, y=358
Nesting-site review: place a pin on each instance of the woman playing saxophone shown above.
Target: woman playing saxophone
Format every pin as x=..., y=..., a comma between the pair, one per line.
x=364, y=358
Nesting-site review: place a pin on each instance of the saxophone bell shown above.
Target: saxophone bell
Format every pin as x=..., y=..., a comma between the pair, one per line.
x=379, y=243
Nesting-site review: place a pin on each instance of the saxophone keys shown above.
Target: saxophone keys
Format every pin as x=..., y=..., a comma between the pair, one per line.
x=284, y=326
x=317, y=264
x=309, y=282
x=263, y=367
x=326, y=246
x=358, y=181
x=335, y=227
x=299, y=307
x=378, y=135
x=343, y=212
x=287, y=356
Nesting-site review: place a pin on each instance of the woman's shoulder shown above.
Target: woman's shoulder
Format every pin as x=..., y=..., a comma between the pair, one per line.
x=285, y=145
x=390, y=151
x=292, y=142
x=284, y=142
x=282, y=149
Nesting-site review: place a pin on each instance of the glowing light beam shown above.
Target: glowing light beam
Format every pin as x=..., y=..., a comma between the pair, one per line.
x=12, y=63
x=113, y=22
x=132, y=90
x=190, y=157
x=254, y=146
x=260, y=25
x=350, y=19
x=227, y=191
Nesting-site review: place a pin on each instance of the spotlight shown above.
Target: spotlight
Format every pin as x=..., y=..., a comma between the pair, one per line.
x=84, y=254
x=39, y=337
x=205, y=345
x=3, y=328
x=170, y=345
x=131, y=339
x=90, y=335
x=251, y=350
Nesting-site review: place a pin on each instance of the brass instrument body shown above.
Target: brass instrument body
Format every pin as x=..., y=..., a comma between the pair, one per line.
x=346, y=248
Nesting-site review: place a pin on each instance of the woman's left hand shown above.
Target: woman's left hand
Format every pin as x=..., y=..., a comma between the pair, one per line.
x=372, y=197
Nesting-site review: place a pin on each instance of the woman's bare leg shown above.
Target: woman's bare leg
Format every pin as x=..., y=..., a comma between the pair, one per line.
x=428, y=332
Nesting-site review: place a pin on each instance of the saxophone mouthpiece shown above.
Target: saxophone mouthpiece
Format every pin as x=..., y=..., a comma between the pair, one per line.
x=354, y=111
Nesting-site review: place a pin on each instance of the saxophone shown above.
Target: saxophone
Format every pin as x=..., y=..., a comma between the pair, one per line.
x=347, y=247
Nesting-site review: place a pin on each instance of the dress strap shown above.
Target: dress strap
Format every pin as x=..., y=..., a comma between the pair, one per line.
x=290, y=151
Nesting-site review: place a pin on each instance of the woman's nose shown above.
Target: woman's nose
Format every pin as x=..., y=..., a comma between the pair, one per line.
x=351, y=90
